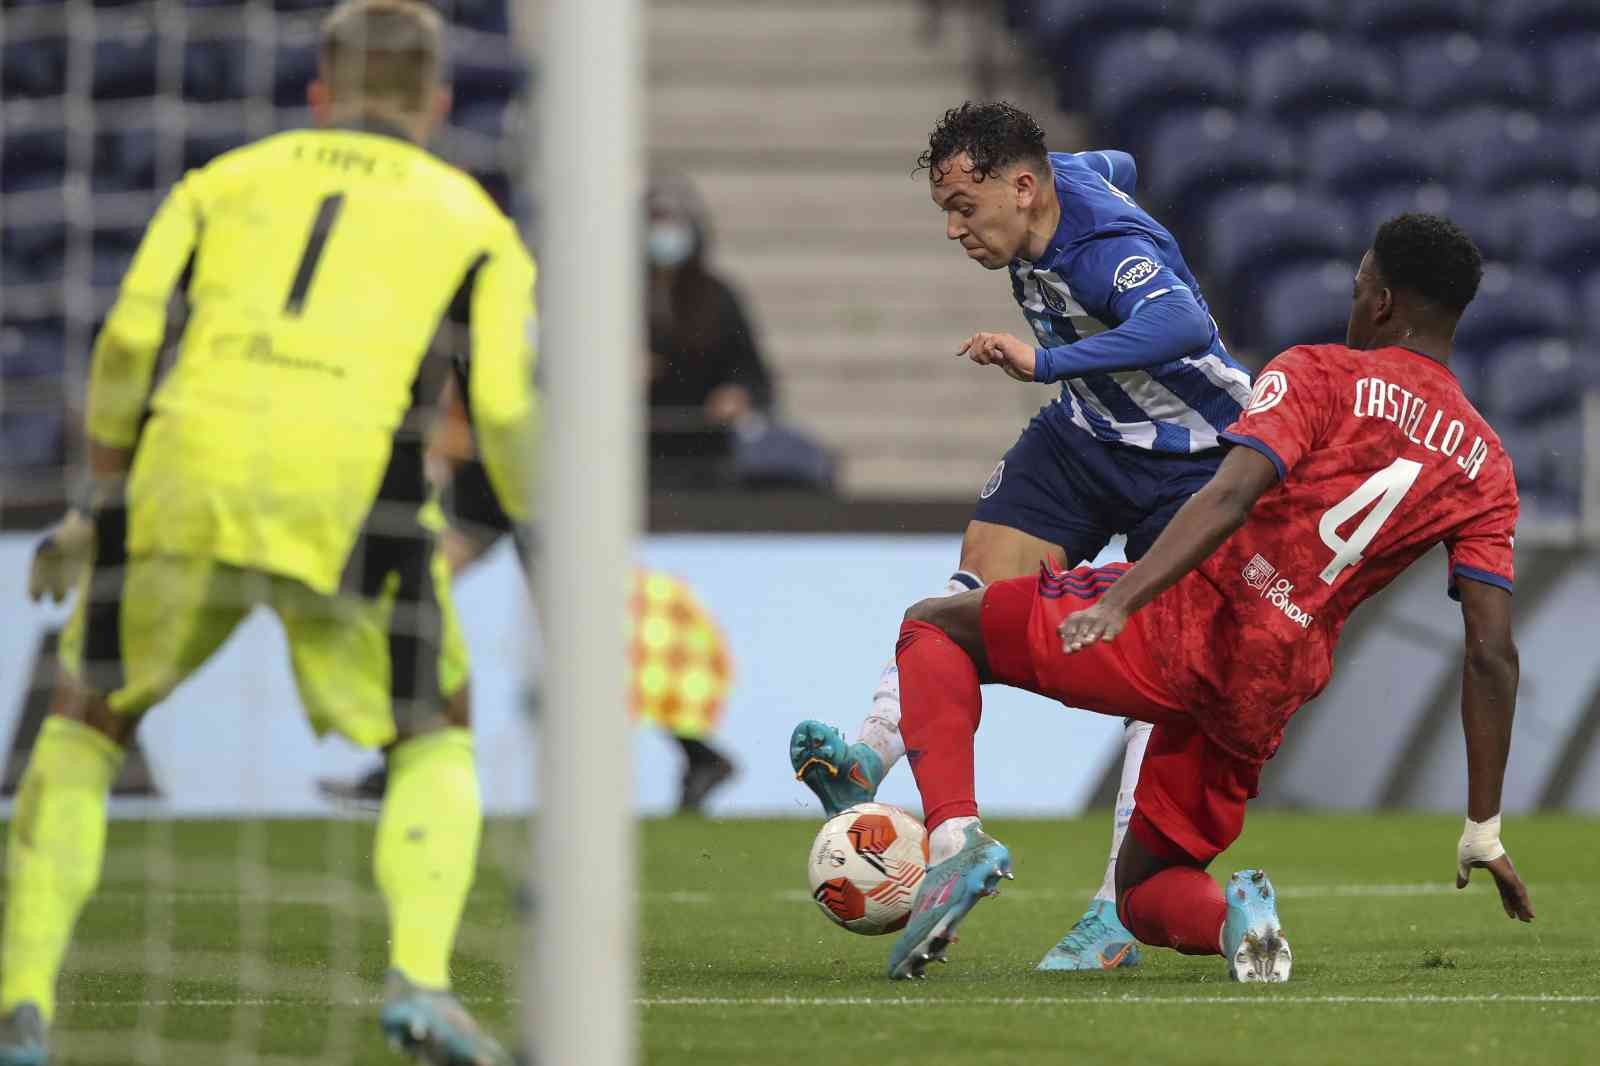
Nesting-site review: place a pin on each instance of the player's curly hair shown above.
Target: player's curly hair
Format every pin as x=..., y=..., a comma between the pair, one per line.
x=994, y=135
x=1430, y=255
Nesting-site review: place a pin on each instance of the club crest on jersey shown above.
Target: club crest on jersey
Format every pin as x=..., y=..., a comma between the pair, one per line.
x=1054, y=302
x=993, y=484
x=1270, y=388
x=1258, y=573
x=1278, y=591
x=1134, y=271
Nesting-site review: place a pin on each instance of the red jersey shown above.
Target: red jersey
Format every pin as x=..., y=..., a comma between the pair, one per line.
x=1380, y=457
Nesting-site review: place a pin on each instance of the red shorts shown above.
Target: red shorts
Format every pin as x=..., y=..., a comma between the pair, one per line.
x=1190, y=801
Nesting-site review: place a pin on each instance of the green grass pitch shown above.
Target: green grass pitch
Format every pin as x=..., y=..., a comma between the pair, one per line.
x=218, y=942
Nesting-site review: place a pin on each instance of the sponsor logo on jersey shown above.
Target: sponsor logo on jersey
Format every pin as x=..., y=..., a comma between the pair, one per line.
x=1270, y=388
x=993, y=484
x=1278, y=591
x=1134, y=271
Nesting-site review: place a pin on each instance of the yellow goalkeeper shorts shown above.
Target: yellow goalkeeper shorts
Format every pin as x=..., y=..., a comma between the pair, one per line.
x=362, y=665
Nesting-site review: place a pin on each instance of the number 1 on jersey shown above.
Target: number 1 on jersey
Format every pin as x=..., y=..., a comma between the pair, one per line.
x=321, y=226
x=1388, y=487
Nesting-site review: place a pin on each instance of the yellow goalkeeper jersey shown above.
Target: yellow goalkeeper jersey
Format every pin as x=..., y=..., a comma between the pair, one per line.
x=326, y=281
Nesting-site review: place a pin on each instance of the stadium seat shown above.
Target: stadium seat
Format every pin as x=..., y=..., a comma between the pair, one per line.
x=1136, y=82
x=1571, y=64
x=124, y=159
x=487, y=118
x=34, y=252
x=1547, y=454
x=31, y=438
x=1589, y=303
x=1468, y=370
x=1531, y=379
x=215, y=70
x=1554, y=229
x=1244, y=23
x=487, y=16
x=1470, y=212
x=1063, y=28
x=1313, y=74
x=125, y=66
x=1526, y=21
x=1515, y=305
x=1585, y=138
x=1494, y=151
x=1253, y=234
x=32, y=158
x=1367, y=151
x=1381, y=20
x=1457, y=71
x=31, y=348
x=201, y=148
x=33, y=66
x=1193, y=159
x=293, y=69
x=487, y=69
x=113, y=250
x=1306, y=304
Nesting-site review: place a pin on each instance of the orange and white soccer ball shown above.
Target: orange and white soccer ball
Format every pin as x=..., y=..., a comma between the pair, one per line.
x=865, y=867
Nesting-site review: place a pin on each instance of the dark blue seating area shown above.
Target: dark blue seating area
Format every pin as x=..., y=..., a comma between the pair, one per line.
x=1273, y=136
x=170, y=86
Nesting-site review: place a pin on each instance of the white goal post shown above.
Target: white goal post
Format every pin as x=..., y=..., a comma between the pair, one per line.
x=579, y=972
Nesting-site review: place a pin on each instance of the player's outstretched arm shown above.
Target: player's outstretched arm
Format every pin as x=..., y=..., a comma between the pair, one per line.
x=1201, y=525
x=1488, y=703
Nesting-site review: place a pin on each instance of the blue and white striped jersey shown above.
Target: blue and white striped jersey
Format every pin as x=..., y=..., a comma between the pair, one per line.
x=1173, y=390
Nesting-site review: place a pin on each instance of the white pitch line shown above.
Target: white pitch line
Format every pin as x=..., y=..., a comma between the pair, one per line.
x=1266, y=999
x=798, y=895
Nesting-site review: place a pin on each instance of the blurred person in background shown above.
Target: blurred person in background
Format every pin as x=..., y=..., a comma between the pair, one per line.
x=706, y=375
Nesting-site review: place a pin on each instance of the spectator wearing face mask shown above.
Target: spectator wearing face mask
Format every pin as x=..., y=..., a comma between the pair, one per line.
x=705, y=370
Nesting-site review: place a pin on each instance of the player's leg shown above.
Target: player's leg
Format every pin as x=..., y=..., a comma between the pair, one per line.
x=1152, y=488
x=138, y=629
x=1192, y=798
x=943, y=662
x=389, y=670
x=1005, y=635
x=1039, y=506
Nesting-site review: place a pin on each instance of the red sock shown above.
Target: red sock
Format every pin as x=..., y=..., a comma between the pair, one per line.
x=939, y=711
x=1181, y=907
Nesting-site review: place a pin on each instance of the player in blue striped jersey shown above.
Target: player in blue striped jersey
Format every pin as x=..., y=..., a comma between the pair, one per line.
x=1146, y=387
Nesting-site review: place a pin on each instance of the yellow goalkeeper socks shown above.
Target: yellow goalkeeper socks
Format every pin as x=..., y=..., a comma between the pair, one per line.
x=58, y=839
x=427, y=850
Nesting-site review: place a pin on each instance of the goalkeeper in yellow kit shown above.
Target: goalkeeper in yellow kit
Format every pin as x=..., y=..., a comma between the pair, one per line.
x=327, y=281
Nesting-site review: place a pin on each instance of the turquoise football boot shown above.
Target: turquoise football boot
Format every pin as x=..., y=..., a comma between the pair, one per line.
x=433, y=1027
x=1252, y=937
x=947, y=892
x=842, y=775
x=1098, y=941
x=22, y=1037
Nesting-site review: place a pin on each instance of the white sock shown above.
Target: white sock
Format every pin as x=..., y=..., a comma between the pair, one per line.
x=881, y=730
x=949, y=838
x=1135, y=735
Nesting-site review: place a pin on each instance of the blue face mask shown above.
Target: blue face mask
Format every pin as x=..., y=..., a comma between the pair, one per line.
x=670, y=243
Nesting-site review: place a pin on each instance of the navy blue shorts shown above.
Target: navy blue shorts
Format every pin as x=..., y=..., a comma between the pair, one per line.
x=1061, y=484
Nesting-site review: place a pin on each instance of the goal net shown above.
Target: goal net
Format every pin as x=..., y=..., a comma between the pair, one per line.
x=237, y=919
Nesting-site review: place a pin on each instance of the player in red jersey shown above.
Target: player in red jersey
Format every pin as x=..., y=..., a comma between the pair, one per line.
x=1350, y=463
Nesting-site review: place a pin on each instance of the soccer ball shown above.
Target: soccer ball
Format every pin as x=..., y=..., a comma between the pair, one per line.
x=865, y=867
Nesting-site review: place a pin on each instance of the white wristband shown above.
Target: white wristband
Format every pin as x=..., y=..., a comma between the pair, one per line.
x=1480, y=842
